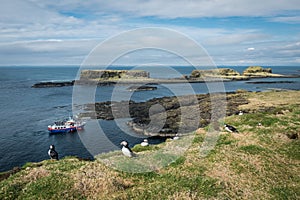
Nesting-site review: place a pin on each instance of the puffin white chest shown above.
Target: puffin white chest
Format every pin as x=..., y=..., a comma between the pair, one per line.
x=228, y=129
x=127, y=151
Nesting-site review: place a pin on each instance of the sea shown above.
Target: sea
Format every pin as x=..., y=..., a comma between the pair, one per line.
x=26, y=112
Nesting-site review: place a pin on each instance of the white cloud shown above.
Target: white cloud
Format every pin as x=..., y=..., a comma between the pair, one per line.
x=65, y=31
x=235, y=38
x=287, y=19
x=175, y=8
x=45, y=51
x=182, y=8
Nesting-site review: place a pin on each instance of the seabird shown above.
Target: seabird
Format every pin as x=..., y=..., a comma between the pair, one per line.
x=176, y=137
x=230, y=128
x=241, y=112
x=145, y=143
x=126, y=150
x=52, y=153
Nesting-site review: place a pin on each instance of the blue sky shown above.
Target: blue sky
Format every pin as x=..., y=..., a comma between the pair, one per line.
x=233, y=32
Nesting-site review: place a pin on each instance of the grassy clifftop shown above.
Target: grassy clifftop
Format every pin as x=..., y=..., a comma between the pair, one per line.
x=260, y=162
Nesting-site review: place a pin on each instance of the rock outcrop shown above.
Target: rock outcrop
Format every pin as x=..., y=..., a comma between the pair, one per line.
x=141, y=88
x=230, y=74
x=221, y=73
x=53, y=84
x=259, y=72
x=257, y=69
x=148, y=116
x=99, y=75
x=214, y=73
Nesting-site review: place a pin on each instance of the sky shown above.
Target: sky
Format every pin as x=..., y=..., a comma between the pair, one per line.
x=232, y=32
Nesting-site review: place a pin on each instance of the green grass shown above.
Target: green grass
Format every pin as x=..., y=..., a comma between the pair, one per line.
x=41, y=180
x=53, y=186
x=253, y=149
x=162, y=186
x=225, y=140
x=198, y=139
x=284, y=193
x=140, y=148
x=292, y=150
x=177, y=162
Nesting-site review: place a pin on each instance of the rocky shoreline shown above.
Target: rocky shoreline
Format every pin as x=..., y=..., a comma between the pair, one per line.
x=53, y=84
x=169, y=111
x=268, y=82
x=141, y=88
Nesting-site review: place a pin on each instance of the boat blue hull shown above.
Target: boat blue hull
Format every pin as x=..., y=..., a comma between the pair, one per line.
x=66, y=130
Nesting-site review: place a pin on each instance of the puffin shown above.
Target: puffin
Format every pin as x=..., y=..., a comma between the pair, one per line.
x=52, y=153
x=126, y=150
x=145, y=143
x=230, y=128
x=241, y=113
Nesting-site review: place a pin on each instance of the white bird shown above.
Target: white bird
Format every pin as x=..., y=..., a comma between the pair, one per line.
x=145, y=143
x=241, y=112
x=176, y=137
x=230, y=128
x=126, y=150
x=52, y=153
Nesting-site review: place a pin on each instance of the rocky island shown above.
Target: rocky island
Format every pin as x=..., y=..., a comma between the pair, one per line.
x=230, y=74
x=112, y=77
x=140, y=76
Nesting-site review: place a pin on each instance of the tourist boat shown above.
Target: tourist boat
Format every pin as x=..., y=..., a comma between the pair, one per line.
x=69, y=125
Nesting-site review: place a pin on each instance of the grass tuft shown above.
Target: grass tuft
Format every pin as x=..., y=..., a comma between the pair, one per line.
x=139, y=148
x=252, y=149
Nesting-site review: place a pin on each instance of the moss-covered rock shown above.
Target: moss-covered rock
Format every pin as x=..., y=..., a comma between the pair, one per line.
x=228, y=72
x=112, y=74
x=214, y=73
x=257, y=69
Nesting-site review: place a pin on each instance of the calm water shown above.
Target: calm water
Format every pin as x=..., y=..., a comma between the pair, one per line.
x=26, y=112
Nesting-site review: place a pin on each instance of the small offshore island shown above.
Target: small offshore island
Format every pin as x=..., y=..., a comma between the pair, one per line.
x=112, y=77
x=106, y=77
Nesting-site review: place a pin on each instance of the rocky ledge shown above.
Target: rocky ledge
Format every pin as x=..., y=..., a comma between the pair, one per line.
x=141, y=88
x=269, y=82
x=147, y=116
x=53, y=84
